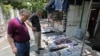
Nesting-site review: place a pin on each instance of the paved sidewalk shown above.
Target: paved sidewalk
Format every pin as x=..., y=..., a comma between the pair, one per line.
x=3, y=37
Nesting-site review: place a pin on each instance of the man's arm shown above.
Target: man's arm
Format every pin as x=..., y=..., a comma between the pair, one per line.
x=12, y=44
x=10, y=31
x=30, y=25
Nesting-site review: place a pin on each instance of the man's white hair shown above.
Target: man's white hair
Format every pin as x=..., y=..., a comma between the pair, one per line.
x=24, y=11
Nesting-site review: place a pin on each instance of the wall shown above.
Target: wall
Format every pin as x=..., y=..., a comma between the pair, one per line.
x=1, y=16
x=14, y=12
x=11, y=13
x=2, y=23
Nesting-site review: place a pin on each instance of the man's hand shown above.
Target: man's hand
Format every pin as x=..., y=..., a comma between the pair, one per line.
x=12, y=44
x=34, y=28
x=14, y=50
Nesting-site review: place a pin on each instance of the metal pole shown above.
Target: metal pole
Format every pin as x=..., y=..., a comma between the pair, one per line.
x=83, y=5
x=89, y=11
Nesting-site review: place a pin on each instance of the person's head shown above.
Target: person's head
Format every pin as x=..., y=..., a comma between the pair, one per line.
x=24, y=14
x=38, y=13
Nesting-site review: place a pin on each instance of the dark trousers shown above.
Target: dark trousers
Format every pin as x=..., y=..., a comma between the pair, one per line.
x=23, y=49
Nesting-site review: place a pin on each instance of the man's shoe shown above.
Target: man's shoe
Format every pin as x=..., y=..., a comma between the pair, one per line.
x=41, y=49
